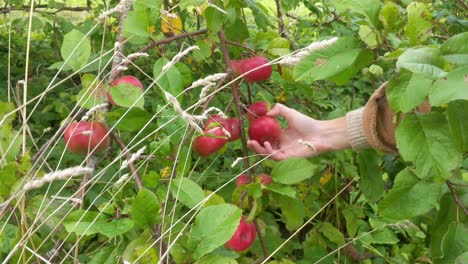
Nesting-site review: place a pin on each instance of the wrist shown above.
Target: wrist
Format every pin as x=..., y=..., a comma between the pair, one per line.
x=334, y=134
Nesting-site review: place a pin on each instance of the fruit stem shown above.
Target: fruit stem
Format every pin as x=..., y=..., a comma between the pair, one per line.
x=128, y=156
x=260, y=237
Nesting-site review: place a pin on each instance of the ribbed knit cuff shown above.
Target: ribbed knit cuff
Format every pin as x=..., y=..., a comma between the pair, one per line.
x=355, y=130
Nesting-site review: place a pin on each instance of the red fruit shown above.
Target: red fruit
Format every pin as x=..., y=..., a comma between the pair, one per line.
x=252, y=66
x=216, y=121
x=234, y=128
x=213, y=140
x=243, y=237
x=257, y=109
x=255, y=71
x=264, y=179
x=242, y=180
x=132, y=80
x=265, y=128
x=84, y=137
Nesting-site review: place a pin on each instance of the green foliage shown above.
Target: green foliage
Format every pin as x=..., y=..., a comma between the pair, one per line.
x=398, y=208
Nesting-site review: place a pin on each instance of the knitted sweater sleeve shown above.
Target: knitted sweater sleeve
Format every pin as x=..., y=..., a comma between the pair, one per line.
x=374, y=124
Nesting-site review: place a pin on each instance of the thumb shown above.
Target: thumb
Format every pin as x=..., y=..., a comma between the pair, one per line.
x=282, y=110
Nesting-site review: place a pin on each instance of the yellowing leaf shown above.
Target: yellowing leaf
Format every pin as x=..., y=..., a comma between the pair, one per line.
x=325, y=178
x=171, y=24
x=165, y=172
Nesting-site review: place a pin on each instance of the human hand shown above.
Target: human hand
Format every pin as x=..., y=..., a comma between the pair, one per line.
x=304, y=136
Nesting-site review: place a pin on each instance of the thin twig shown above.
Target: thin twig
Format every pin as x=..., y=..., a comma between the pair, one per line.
x=281, y=28
x=25, y=8
x=157, y=43
x=235, y=93
x=128, y=156
x=119, y=44
x=453, y=191
x=241, y=46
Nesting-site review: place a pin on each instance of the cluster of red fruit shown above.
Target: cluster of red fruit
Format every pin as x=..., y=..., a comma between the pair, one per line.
x=91, y=136
x=246, y=232
x=218, y=131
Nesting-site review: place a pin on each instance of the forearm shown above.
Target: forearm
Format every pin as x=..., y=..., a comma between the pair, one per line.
x=334, y=134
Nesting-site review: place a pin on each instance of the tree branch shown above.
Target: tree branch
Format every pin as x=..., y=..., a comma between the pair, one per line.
x=119, y=44
x=160, y=42
x=235, y=93
x=453, y=191
x=26, y=8
x=128, y=156
x=281, y=28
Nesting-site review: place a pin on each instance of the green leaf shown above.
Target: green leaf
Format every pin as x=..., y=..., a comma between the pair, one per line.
x=338, y=62
x=390, y=15
x=84, y=222
x=426, y=61
x=407, y=90
x=187, y=191
x=383, y=235
x=145, y=4
x=93, y=92
x=282, y=189
x=238, y=31
x=446, y=215
x=332, y=233
x=10, y=146
x=368, y=8
x=293, y=170
x=127, y=95
x=213, y=227
x=370, y=183
x=186, y=72
x=369, y=35
x=409, y=197
x=133, y=119
x=171, y=80
x=141, y=249
x=103, y=256
x=457, y=111
x=136, y=24
x=455, y=49
x=214, y=19
x=145, y=208
x=292, y=211
x=262, y=19
x=353, y=216
x=9, y=236
x=113, y=228
x=5, y=108
x=75, y=49
x=279, y=46
x=419, y=26
x=423, y=139
x=210, y=259
x=454, y=243
x=453, y=87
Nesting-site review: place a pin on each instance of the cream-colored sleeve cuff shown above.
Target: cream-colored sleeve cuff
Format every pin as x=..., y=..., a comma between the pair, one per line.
x=355, y=130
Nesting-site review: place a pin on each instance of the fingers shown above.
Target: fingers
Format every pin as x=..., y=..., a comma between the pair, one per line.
x=281, y=110
x=266, y=149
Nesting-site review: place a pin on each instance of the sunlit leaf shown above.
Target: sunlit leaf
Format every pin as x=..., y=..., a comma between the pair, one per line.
x=213, y=227
x=409, y=197
x=76, y=49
